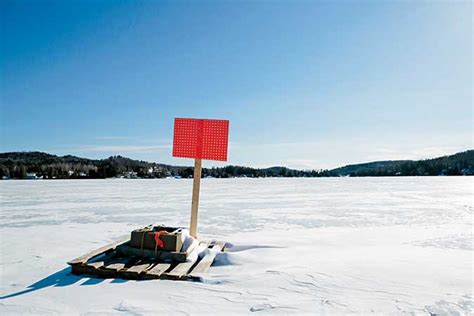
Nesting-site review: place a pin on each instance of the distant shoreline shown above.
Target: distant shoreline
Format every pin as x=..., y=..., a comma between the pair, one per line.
x=39, y=165
x=164, y=179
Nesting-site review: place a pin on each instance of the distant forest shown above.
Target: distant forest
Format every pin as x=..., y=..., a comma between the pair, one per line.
x=33, y=165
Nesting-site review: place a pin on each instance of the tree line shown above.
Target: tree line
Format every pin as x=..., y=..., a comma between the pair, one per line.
x=22, y=165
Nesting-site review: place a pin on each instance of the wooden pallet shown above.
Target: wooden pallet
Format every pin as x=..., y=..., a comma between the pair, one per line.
x=116, y=261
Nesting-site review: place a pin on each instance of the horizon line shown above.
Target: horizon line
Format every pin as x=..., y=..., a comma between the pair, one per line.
x=274, y=166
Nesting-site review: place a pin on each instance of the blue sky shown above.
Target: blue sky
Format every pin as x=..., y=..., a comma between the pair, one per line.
x=305, y=84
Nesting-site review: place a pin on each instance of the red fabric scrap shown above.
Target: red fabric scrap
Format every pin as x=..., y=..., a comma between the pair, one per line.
x=158, y=241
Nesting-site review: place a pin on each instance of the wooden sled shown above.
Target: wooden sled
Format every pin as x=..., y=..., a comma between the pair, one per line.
x=119, y=260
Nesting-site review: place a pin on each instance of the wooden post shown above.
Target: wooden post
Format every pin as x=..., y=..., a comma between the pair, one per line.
x=195, y=202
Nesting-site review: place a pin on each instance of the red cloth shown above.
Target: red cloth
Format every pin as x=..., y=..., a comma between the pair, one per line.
x=158, y=241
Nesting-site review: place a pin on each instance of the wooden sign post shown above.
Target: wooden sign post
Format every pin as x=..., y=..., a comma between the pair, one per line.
x=195, y=201
x=199, y=139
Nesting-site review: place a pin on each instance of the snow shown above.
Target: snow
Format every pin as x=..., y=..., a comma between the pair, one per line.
x=328, y=245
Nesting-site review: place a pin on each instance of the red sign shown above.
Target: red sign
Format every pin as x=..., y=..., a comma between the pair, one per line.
x=202, y=139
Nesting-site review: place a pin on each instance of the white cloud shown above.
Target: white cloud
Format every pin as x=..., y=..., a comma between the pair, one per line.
x=336, y=152
x=300, y=163
x=414, y=153
x=122, y=148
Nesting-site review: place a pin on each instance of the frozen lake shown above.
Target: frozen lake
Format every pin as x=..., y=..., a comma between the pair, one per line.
x=327, y=245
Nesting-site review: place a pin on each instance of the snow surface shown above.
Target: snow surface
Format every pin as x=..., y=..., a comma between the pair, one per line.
x=329, y=245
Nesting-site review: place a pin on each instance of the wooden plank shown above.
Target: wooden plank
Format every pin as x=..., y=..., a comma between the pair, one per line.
x=139, y=267
x=157, y=270
x=119, y=263
x=182, y=269
x=107, y=248
x=135, y=270
x=221, y=244
x=96, y=265
x=90, y=270
x=101, y=262
x=195, y=200
x=207, y=260
x=80, y=269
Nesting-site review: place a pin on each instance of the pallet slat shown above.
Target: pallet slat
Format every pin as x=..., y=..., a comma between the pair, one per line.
x=207, y=260
x=157, y=270
x=101, y=262
x=182, y=269
x=135, y=270
x=139, y=267
x=119, y=263
x=107, y=248
x=83, y=269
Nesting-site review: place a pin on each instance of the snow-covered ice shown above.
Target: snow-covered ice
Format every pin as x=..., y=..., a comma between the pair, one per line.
x=328, y=245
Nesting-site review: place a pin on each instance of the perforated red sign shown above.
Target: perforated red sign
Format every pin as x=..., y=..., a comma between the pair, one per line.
x=202, y=139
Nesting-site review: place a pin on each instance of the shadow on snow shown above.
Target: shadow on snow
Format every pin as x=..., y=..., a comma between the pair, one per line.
x=60, y=278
